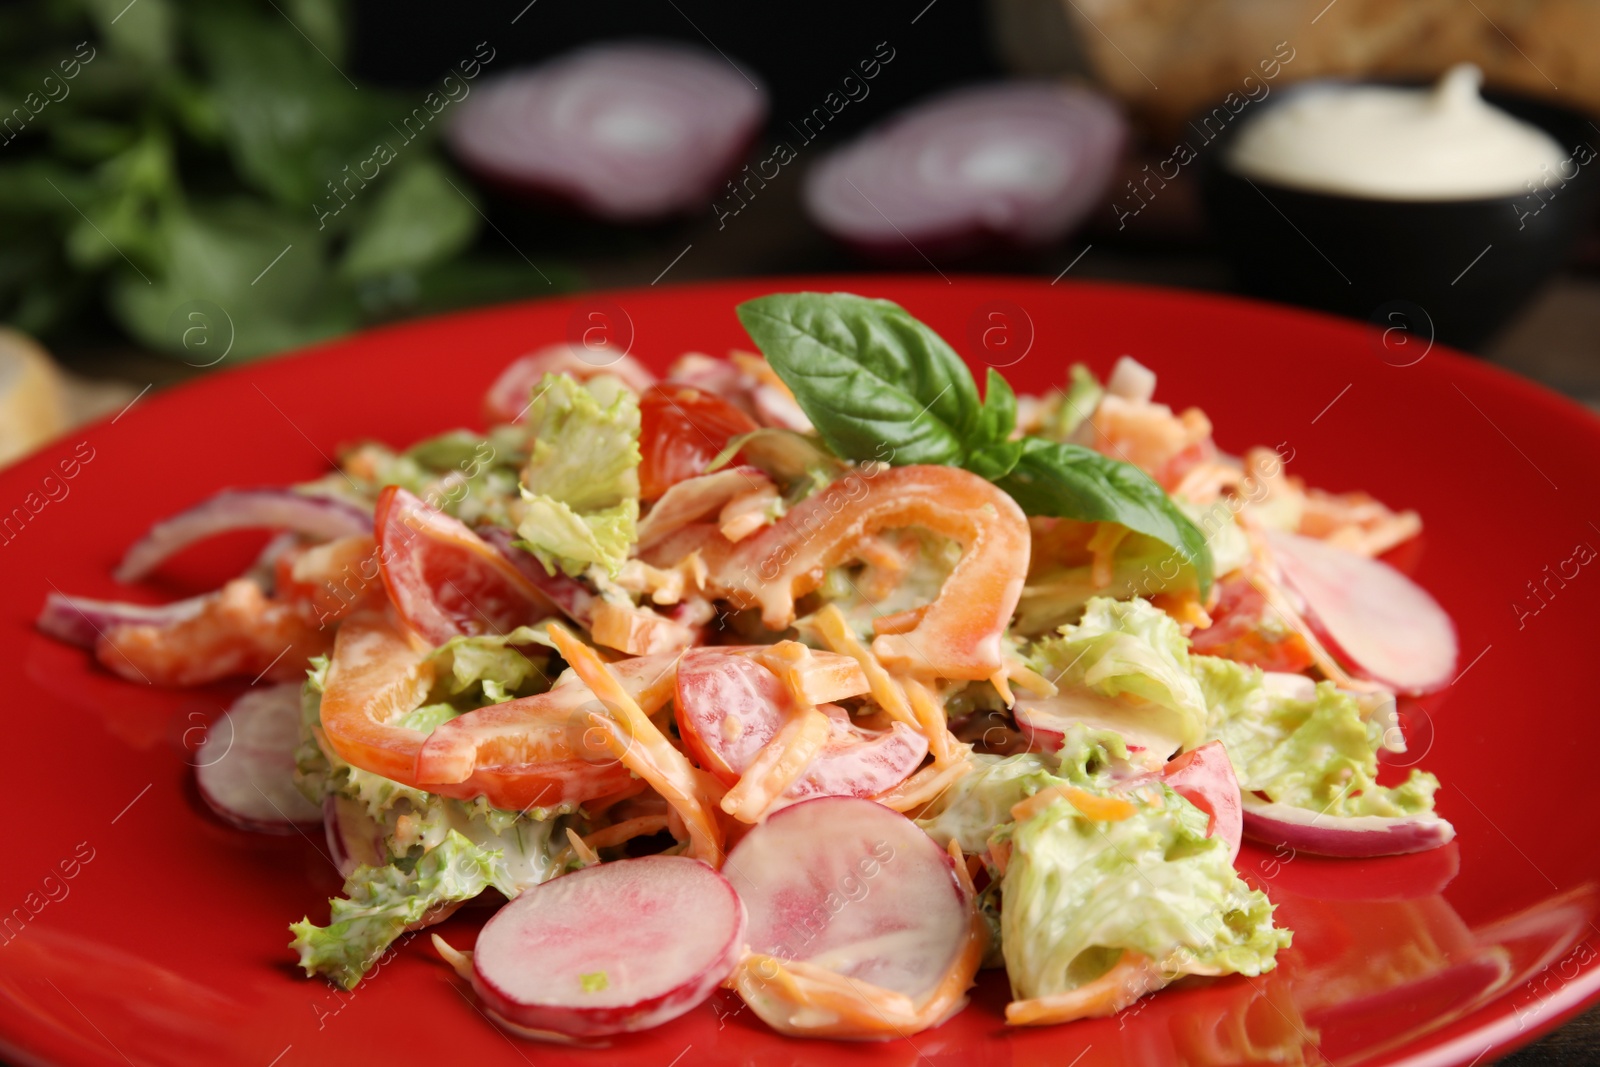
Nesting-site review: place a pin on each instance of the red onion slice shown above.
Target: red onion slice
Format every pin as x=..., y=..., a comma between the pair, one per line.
x=1378, y=621
x=324, y=517
x=511, y=395
x=1017, y=164
x=80, y=621
x=571, y=596
x=627, y=132
x=1343, y=835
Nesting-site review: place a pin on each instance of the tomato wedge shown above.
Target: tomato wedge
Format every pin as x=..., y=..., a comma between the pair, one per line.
x=377, y=675
x=445, y=580
x=728, y=706
x=681, y=430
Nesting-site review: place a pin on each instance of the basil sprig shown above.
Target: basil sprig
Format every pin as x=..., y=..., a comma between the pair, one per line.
x=879, y=385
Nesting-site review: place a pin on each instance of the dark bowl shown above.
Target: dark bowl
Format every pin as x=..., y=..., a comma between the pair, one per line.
x=1455, y=270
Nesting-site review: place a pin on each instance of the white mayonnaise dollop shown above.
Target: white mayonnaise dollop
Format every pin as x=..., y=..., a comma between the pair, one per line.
x=1391, y=143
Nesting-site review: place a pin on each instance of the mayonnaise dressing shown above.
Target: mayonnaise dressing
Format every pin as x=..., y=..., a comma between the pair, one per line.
x=1384, y=142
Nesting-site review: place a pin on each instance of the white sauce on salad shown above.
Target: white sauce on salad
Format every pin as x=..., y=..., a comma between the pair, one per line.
x=1443, y=143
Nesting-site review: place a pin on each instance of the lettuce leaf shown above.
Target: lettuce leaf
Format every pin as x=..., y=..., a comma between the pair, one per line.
x=1134, y=652
x=1141, y=566
x=1077, y=893
x=1318, y=754
x=380, y=903
x=580, y=488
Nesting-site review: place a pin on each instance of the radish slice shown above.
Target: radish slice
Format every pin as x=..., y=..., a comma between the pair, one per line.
x=1341, y=835
x=509, y=398
x=846, y=884
x=611, y=949
x=1043, y=722
x=1016, y=164
x=1379, y=622
x=327, y=518
x=354, y=837
x=728, y=706
x=627, y=132
x=694, y=498
x=245, y=765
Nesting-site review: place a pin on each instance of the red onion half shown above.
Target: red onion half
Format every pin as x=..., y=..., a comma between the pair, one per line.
x=244, y=509
x=80, y=621
x=1008, y=164
x=627, y=132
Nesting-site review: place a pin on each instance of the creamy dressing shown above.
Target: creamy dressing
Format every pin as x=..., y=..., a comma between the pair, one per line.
x=1443, y=143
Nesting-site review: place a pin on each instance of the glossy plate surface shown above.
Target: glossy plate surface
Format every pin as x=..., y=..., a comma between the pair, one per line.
x=167, y=943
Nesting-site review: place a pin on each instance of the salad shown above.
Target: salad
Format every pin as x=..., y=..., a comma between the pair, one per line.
x=820, y=674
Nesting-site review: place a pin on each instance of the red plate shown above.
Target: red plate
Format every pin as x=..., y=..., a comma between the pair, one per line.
x=168, y=942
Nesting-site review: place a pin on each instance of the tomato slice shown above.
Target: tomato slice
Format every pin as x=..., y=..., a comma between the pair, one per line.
x=681, y=430
x=1244, y=627
x=445, y=580
x=728, y=706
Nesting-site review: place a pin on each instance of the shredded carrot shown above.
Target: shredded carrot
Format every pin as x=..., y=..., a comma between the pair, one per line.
x=835, y=630
x=595, y=809
x=927, y=783
x=812, y=677
x=634, y=630
x=645, y=751
x=1263, y=583
x=963, y=872
x=1131, y=977
x=1091, y=805
x=900, y=622
x=931, y=717
x=1000, y=855
x=779, y=764
x=627, y=830
x=749, y=512
x=586, y=855
x=459, y=961
x=757, y=367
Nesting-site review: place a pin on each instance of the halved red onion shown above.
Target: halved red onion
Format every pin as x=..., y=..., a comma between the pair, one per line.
x=272, y=508
x=80, y=621
x=628, y=132
x=1379, y=622
x=1343, y=835
x=1014, y=164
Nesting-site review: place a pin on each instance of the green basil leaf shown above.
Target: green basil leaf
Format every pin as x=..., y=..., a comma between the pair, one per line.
x=876, y=383
x=998, y=416
x=1072, y=482
x=994, y=461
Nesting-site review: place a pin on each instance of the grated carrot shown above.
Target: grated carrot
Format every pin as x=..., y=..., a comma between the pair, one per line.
x=1091, y=805
x=637, y=742
x=931, y=716
x=1131, y=977
x=927, y=783
x=812, y=677
x=627, y=830
x=834, y=629
x=779, y=764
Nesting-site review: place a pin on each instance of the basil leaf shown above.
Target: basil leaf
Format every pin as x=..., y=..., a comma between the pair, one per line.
x=875, y=382
x=1072, y=482
x=995, y=461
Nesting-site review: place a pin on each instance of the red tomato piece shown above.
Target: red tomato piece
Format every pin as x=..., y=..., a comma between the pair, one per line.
x=681, y=430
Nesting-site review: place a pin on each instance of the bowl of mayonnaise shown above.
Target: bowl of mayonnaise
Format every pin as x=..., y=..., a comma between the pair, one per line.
x=1438, y=203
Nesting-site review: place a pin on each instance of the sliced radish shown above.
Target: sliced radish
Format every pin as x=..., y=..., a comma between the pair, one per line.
x=245, y=765
x=354, y=837
x=694, y=498
x=1016, y=164
x=1343, y=835
x=509, y=398
x=728, y=706
x=627, y=132
x=1205, y=778
x=1044, y=722
x=445, y=580
x=611, y=949
x=846, y=884
x=1379, y=622
x=324, y=517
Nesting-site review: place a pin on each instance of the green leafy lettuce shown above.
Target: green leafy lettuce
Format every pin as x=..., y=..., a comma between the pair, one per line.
x=580, y=488
x=1319, y=754
x=1134, y=653
x=1077, y=893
